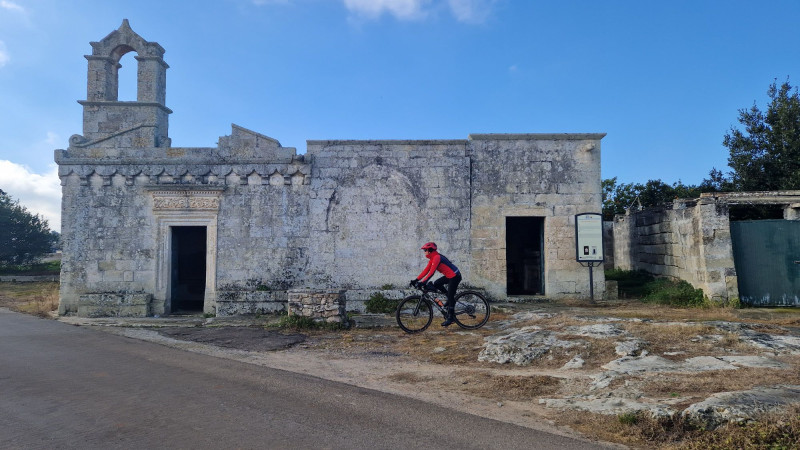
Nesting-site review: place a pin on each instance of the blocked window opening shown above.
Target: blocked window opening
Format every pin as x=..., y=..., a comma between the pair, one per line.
x=524, y=255
x=188, y=271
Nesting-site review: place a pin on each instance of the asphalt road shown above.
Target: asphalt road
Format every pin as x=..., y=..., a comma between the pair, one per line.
x=63, y=386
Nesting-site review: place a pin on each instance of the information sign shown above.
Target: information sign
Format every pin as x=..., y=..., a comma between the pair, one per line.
x=589, y=237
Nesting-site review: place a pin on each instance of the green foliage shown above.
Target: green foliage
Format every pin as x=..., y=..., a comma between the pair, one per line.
x=766, y=155
x=675, y=293
x=296, y=322
x=47, y=268
x=640, y=284
x=628, y=418
x=619, y=197
x=24, y=237
x=630, y=283
x=379, y=304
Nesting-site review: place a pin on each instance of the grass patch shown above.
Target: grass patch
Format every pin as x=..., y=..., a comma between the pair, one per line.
x=508, y=387
x=774, y=431
x=38, y=298
x=379, y=304
x=295, y=322
x=45, y=268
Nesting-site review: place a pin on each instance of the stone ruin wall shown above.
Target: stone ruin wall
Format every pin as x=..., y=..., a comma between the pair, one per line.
x=688, y=240
x=373, y=203
x=554, y=176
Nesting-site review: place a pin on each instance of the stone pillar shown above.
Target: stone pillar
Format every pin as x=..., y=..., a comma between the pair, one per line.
x=321, y=305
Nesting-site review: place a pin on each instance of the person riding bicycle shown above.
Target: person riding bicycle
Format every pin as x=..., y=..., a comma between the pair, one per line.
x=451, y=277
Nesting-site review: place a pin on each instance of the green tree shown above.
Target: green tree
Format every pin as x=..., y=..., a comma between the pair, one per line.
x=24, y=237
x=619, y=197
x=766, y=154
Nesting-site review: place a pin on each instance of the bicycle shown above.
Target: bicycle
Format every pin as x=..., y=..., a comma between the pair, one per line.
x=415, y=312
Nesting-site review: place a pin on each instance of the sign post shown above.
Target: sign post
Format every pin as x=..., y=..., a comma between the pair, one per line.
x=589, y=243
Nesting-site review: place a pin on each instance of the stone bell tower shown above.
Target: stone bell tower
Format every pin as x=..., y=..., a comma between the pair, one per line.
x=109, y=123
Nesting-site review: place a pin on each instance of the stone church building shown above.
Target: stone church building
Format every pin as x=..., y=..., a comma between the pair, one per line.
x=154, y=229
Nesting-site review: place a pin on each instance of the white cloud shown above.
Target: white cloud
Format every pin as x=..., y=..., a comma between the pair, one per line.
x=471, y=11
x=40, y=194
x=11, y=6
x=4, y=57
x=467, y=11
x=402, y=9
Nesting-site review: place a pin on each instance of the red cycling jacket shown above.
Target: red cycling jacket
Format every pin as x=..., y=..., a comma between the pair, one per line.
x=437, y=261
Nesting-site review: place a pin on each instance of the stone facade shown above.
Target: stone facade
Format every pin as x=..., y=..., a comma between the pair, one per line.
x=346, y=215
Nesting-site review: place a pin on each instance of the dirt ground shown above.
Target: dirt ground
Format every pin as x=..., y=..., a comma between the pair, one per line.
x=441, y=365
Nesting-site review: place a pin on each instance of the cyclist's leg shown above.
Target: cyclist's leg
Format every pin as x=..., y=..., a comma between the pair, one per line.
x=452, y=286
x=441, y=285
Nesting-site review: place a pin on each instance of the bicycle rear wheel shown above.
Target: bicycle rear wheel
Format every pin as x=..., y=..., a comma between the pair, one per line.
x=472, y=310
x=414, y=314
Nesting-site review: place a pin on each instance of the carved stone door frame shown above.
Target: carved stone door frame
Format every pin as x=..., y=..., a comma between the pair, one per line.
x=183, y=206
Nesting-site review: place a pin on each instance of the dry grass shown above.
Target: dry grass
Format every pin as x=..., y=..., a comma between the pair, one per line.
x=704, y=384
x=36, y=298
x=507, y=387
x=772, y=431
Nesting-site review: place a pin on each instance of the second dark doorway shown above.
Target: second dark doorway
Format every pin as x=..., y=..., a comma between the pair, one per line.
x=188, y=269
x=524, y=255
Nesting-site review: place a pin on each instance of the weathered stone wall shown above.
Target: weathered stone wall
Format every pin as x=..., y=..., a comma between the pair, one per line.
x=688, y=240
x=117, y=211
x=554, y=176
x=608, y=244
x=373, y=203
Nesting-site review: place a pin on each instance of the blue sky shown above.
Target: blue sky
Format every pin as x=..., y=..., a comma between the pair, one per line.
x=664, y=79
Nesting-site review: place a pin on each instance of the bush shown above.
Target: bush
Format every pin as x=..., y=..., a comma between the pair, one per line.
x=379, y=304
x=631, y=283
x=675, y=293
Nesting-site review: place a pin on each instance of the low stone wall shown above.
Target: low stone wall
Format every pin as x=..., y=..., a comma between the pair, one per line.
x=320, y=305
x=115, y=305
x=239, y=303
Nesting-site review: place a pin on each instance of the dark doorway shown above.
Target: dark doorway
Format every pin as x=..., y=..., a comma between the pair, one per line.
x=188, y=269
x=524, y=250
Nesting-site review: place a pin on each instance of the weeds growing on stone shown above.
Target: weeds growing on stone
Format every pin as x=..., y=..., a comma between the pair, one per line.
x=379, y=304
x=295, y=322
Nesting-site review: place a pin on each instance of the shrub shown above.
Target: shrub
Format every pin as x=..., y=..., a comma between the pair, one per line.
x=631, y=283
x=379, y=304
x=676, y=293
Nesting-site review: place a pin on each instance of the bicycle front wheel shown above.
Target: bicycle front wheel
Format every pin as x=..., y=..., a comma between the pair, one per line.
x=414, y=314
x=472, y=310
